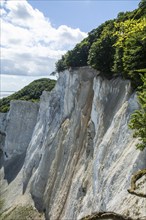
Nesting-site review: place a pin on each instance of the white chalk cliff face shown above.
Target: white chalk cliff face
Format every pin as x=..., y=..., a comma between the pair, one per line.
x=75, y=155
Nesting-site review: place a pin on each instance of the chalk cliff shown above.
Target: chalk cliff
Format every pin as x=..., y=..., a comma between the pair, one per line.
x=73, y=155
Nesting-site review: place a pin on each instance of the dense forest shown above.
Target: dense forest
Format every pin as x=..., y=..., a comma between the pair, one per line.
x=32, y=92
x=117, y=48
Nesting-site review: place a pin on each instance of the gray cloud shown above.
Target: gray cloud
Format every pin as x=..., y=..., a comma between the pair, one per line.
x=27, y=65
x=22, y=13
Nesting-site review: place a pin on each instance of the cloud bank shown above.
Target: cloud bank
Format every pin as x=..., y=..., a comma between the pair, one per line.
x=30, y=45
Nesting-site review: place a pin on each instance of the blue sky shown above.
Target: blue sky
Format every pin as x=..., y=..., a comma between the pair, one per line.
x=35, y=34
x=84, y=14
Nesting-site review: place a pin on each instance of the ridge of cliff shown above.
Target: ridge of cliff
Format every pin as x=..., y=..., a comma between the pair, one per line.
x=73, y=154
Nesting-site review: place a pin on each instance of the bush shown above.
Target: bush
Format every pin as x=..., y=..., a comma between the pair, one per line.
x=138, y=118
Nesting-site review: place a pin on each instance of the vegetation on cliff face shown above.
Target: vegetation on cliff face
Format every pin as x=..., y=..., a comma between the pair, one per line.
x=134, y=186
x=138, y=118
x=116, y=47
x=106, y=216
x=21, y=213
x=32, y=92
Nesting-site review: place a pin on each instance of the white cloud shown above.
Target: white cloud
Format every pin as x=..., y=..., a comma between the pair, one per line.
x=2, y=3
x=30, y=45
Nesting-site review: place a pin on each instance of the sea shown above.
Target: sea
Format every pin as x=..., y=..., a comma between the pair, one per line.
x=4, y=94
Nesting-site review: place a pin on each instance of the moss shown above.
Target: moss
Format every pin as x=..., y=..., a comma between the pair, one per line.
x=134, y=179
x=106, y=215
x=22, y=213
x=1, y=203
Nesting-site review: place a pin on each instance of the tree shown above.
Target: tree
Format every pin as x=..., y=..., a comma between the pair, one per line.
x=142, y=4
x=101, y=54
x=130, y=48
x=60, y=65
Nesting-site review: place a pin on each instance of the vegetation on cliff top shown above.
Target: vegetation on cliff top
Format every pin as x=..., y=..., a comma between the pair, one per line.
x=32, y=92
x=117, y=46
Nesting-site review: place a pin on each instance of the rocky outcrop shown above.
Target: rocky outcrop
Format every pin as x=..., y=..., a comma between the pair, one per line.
x=81, y=154
x=21, y=120
x=135, y=187
x=17, y=128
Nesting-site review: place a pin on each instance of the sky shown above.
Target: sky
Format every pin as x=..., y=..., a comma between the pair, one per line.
x=36, y=33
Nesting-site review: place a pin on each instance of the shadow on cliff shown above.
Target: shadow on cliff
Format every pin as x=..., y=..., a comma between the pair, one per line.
x=1, y=158
x=13, y=166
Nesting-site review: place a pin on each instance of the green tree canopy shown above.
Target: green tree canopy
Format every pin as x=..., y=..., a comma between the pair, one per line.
x=130, y=49
x=116, y=47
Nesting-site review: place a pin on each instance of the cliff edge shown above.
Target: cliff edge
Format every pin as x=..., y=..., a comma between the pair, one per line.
x=73, y=155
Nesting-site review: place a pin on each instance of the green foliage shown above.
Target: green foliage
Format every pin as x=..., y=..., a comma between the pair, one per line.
x=142, y=7
x=32, y=92
x=116, y=47
x=74, y=58
x=101, y=54
x=129, y=29
x=61, y=65
x=79, y=55
x=130, y=49
x=138, y=118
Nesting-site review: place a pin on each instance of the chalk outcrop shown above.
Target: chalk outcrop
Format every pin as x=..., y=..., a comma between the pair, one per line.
x=77, y=153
